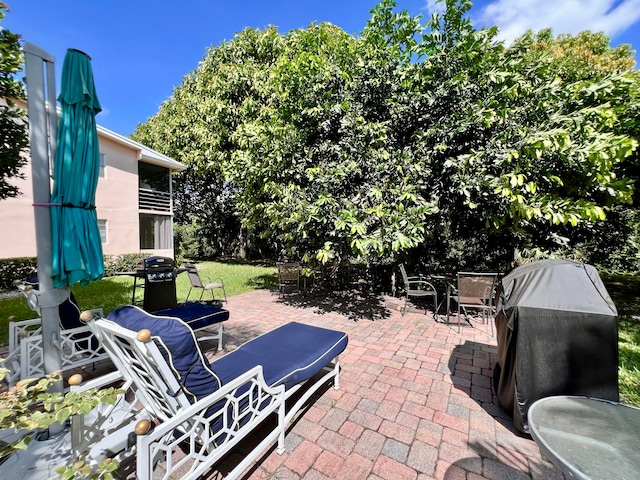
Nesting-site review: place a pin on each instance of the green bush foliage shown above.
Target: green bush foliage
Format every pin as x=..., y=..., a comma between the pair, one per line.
x=13, y=128
x=20, y=268
x=12, y=269
x=125, y=262
x=414, y=139
x=32, y=407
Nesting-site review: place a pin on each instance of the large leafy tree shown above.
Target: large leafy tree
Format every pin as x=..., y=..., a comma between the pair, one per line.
x=585, y=56
x=196, y=126
x=408, y=139
x=521, y=151
x=329, y=162
x=589, y=58
x=13, y=129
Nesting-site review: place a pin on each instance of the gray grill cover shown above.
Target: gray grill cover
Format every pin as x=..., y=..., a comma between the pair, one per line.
x=557, y=332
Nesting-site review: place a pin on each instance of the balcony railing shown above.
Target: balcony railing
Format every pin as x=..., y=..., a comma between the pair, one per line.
x=154, y=200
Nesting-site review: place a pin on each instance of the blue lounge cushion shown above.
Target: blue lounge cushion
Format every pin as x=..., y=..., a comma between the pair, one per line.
x=289, y=355
x=178, y=345
x=197, y=314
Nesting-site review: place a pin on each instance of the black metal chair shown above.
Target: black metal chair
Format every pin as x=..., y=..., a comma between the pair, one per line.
x=418, y=287
x=475, y=290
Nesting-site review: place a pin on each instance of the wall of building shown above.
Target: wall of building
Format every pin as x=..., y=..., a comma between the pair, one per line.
x=117, y=198
x=116, y=202
x=17, y=229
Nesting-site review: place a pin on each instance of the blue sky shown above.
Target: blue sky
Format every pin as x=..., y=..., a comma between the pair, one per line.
x=141, y=49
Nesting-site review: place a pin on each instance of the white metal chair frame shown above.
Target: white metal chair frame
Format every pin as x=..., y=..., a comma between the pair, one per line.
x=417, y=286
x=208, y=285
x=25, y=342
x=187, y=428
x=105, y=431
x=475, y=290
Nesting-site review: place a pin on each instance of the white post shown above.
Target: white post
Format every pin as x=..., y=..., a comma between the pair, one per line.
x=43, y=122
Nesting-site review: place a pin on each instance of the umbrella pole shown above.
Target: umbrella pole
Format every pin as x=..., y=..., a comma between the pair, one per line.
x=42, y=139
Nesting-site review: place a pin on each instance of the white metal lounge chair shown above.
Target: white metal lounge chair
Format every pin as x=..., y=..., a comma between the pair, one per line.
x=77, y=345
x=204, y=410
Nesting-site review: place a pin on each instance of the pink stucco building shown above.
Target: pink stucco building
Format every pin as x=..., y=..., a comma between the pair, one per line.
x=133, y=202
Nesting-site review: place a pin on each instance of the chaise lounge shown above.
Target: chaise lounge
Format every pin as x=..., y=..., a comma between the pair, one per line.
x=25, y=358
x=203, y=410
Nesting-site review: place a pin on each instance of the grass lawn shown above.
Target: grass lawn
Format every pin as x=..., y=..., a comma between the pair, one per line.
x=624, y=290
x=240, y=278
x=113, y=292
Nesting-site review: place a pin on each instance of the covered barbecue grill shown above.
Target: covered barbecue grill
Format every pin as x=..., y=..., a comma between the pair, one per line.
x=157, y=275
x=557, y=332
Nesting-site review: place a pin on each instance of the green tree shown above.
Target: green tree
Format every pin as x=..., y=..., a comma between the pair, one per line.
x=328, y=161
x=588, y=58
x=585, y=56
x=13, y=129
x=405, y=140
x=521, y=151
x=196, y=125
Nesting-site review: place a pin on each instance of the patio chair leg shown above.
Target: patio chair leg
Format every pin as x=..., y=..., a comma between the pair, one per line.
x=435, y=306
x=282, y=426
x=490, y=321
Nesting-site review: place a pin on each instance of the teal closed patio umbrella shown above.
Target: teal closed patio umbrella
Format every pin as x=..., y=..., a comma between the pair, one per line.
x=75, y=237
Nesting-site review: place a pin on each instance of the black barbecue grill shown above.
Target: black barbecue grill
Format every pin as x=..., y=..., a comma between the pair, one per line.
x=158, y=276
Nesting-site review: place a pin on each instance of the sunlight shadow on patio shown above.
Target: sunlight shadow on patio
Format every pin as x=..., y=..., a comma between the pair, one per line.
x=354, y=304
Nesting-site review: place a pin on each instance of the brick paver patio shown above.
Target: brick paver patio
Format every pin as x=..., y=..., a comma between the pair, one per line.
x=415, y=398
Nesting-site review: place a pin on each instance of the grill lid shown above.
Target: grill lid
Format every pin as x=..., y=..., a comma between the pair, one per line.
x=155, y=263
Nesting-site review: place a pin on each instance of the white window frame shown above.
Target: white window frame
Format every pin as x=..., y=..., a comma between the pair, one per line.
x=102, y=227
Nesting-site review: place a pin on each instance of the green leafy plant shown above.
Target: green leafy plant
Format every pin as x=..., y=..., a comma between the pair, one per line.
x=104, y=470
x=32, y=406
x=13, y=128
x=401, y=141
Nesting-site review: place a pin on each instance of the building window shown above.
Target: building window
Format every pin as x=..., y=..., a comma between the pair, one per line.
x=102, y=165
x=102, y=226
x=155, y=232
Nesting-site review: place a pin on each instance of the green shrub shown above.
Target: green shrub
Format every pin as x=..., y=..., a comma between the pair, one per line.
x=15, y=269
x=32, y=407
x=20, y=268
x=125, y=262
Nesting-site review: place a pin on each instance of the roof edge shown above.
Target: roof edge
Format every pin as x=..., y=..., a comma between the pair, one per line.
x=145, y=153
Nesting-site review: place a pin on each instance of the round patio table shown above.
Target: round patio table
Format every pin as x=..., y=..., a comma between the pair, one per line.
x=588, y=438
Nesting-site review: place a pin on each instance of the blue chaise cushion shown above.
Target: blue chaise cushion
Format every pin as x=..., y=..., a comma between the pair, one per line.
x=289, y=354
x=197, y=314
x=179, y=346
